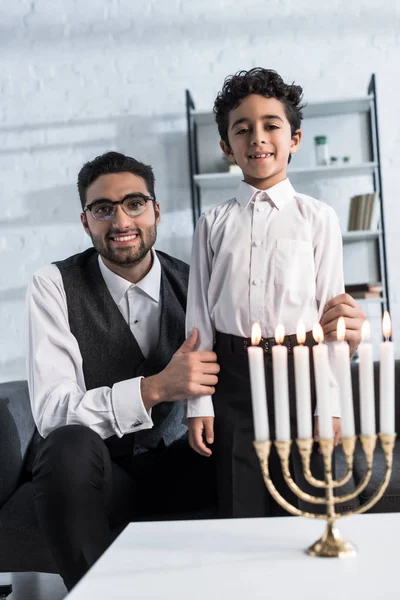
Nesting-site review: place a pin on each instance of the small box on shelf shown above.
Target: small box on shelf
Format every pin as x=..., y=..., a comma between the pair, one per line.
x=365, y=291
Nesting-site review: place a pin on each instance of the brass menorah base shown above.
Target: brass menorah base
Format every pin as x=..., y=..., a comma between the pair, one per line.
x=331, y=544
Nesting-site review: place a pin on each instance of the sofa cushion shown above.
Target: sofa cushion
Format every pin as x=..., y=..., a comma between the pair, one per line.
x=16, y=430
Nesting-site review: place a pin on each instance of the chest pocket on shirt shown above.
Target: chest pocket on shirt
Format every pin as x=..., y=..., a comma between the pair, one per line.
x=294, y=265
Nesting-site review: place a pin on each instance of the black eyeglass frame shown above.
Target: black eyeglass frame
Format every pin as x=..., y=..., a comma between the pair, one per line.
x=121, y=202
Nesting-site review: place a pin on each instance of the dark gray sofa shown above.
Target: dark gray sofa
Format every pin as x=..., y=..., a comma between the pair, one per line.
x=21, y=545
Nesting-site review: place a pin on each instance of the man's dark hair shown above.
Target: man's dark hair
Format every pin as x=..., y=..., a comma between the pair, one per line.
x=265, y=82
x=112, y=162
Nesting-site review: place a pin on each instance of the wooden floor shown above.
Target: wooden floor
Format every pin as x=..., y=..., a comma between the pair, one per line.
x=34, y=586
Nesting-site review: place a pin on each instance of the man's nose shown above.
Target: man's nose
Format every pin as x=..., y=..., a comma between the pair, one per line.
x=121, y=219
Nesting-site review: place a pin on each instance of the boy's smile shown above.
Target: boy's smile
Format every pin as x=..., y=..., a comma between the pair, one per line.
x=260, y=140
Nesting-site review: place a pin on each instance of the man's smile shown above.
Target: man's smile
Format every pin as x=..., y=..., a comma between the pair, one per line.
x=124, y=240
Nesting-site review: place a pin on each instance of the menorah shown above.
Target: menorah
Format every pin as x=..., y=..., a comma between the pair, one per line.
x=331, y=544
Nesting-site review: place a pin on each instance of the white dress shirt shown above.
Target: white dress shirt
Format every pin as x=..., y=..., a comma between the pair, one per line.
x=271, y=256
x=54, y=363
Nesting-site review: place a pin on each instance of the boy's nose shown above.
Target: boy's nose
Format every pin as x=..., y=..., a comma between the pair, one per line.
x=258, y=137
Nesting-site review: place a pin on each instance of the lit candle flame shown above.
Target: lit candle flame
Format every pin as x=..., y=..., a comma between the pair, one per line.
x=318, y=334
x=301, y=332
x=256, y=333
x=386, y=326
x=279, y=334
x=365, y=331
x=341, y=329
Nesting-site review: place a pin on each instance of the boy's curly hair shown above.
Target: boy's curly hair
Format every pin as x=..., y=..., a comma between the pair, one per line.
x=265, y=82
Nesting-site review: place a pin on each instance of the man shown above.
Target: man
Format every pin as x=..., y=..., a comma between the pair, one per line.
x=108, y=368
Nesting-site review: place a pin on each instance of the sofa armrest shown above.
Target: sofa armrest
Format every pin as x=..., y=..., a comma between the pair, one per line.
x=16, y=430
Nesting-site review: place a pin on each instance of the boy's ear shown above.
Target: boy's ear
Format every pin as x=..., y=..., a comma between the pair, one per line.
x=226, y=149
x=295, y=141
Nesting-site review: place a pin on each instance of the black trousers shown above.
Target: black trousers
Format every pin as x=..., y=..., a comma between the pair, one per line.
x=241, y=488
x=82, y=493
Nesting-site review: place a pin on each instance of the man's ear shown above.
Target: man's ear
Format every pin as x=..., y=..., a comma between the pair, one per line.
x=85, y=223
x=295, y=141
x=157, y=212
x=226, y=149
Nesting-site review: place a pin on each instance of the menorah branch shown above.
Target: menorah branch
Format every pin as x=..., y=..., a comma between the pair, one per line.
x=283, y=449
x=387, y=442
x=263, y=450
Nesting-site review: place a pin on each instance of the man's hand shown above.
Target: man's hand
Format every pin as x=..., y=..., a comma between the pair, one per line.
x=189, y=373
x=198, y=426
x=343, y=306
x=337, y=430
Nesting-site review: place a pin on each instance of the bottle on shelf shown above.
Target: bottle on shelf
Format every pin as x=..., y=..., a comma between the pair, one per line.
x=321, y=150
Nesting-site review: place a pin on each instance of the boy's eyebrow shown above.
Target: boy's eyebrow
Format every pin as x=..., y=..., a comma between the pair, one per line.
x=245, y=119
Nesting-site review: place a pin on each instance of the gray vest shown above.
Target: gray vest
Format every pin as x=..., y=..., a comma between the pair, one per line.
x=109, y=350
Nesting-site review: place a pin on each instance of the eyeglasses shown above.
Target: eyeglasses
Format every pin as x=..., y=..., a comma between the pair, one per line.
x=132, y=205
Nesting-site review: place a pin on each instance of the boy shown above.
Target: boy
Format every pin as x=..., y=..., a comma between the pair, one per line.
x=269, y=255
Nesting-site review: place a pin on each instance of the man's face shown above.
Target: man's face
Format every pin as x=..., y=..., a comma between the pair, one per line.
x=123, y=241
x=260, y=140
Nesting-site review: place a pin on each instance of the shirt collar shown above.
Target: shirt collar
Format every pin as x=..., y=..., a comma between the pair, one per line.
x=279, y=194
x=118, y=286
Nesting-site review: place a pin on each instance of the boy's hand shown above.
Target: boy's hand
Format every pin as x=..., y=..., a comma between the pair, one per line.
x=343, y=306
x=197, y=427
x=336, y=430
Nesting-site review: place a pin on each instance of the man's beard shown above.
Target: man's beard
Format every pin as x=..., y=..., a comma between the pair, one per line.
x=126, y=257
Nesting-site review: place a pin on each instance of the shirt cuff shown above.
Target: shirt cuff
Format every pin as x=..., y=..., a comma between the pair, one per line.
x=129, y=410
x=200, y=406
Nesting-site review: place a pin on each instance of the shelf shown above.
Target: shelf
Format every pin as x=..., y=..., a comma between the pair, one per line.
x=313, y=109
x=358, y=236
x=371, y=300
x=225, y=180
x=337, y=107
x=344, y=170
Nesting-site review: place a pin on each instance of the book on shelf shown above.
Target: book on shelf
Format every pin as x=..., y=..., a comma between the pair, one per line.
x=364, y=290
x=366, y=295
x=364, y=212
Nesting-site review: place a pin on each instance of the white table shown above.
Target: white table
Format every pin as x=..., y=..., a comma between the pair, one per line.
x=246, y=559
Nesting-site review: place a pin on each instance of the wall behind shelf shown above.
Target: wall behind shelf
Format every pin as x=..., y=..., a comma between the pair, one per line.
x=78, y=78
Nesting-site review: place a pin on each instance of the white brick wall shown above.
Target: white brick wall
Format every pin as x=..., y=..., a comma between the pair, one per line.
x=79, y=78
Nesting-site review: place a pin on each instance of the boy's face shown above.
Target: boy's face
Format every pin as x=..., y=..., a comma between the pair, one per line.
x=260, y=140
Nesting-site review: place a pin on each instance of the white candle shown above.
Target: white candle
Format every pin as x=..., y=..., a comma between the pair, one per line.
x=281, y=387
x=343, y=373
x=302, y=380
x=321, y=372
x=366, y=382
x=386, y=379
x=257, y=384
